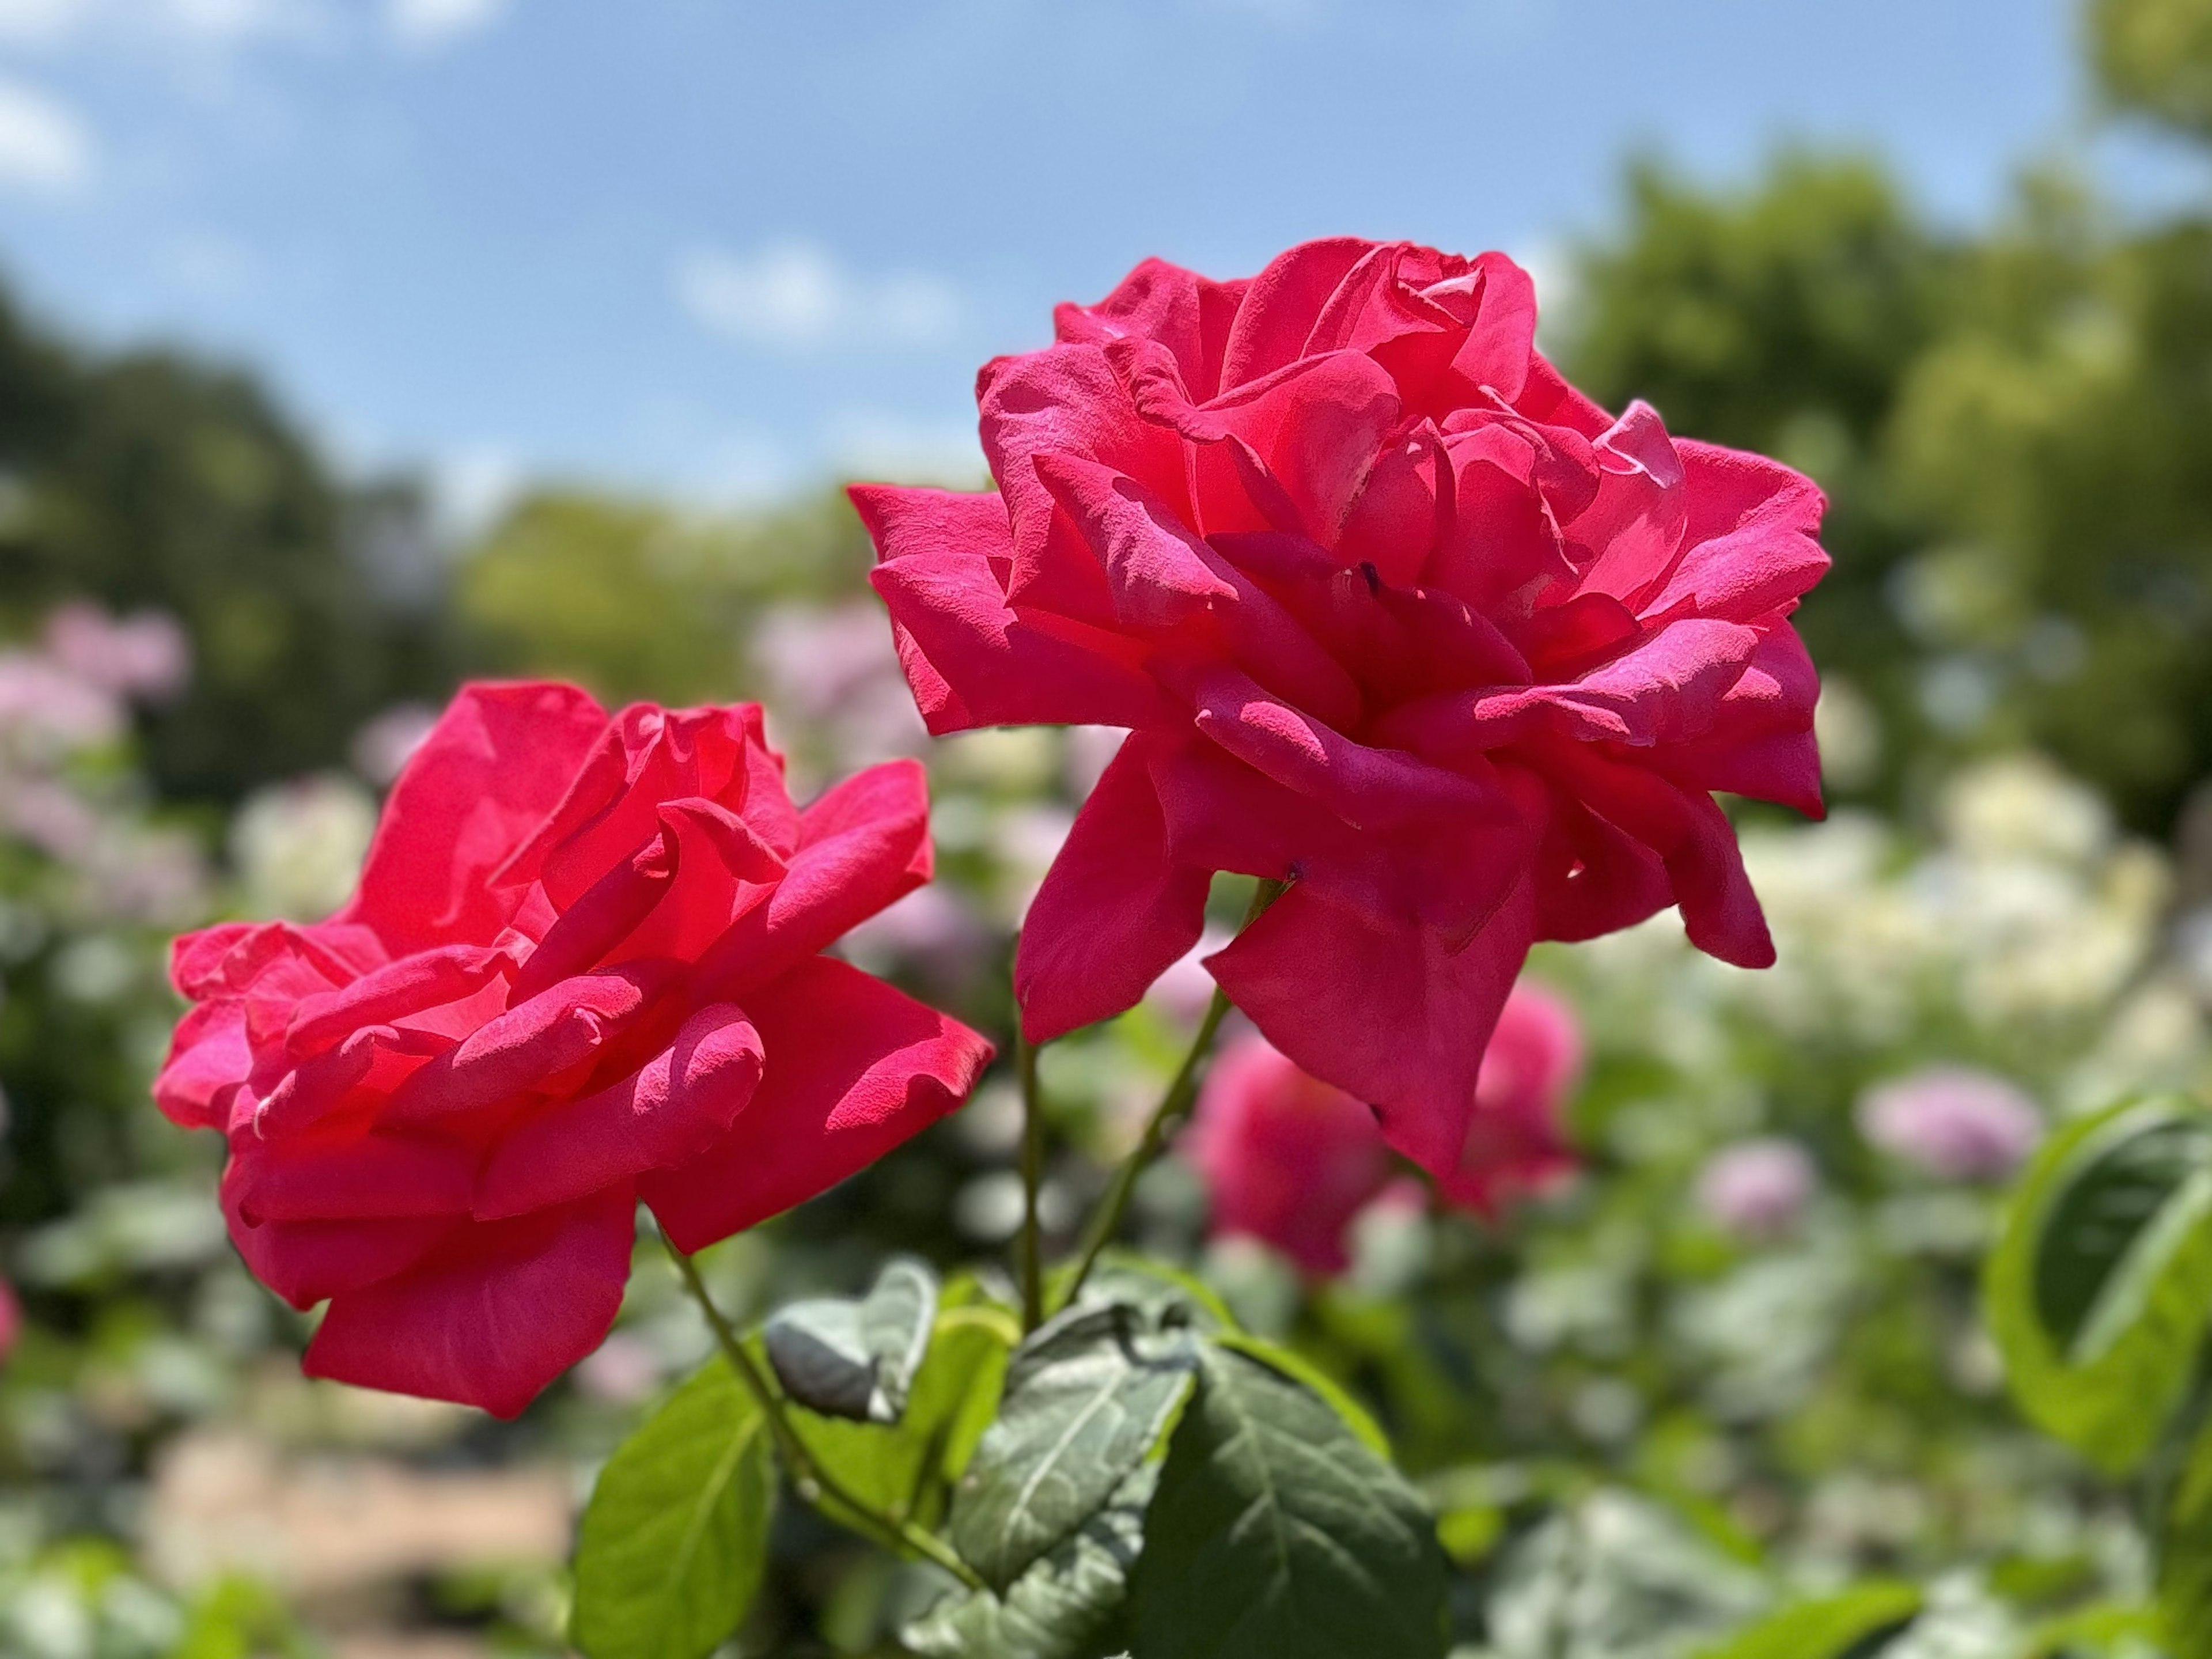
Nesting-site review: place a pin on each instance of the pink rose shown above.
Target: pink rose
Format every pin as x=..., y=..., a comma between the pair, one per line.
x=1515, y=1141
x=1290, y=1160
x=1392, y=613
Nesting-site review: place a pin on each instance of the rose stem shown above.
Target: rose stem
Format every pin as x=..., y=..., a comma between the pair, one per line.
x=1106, y=1220
x=1030, y=1255
x=813, y=1483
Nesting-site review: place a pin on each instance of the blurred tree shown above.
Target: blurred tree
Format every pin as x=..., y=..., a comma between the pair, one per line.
x=636, y=598
x=150, y=480
x=2155, y=56
x=1783, y=318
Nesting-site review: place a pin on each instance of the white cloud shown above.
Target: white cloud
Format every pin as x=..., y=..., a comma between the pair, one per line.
x=794, y=295
x=40, y=22
x=44, y=147
x=427, y=25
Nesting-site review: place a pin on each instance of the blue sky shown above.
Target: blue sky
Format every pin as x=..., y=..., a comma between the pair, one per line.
x=720, y=246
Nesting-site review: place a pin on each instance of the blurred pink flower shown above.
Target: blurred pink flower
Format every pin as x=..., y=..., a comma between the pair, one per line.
x=381, y=747
x=1185, y=990
x=932, y=928
x=835, y=667
x=48, y=815
x=1290, y=1160
x=11, y=1322
x=1515, y=1142
x=1757, y=1189
x=144, y=655
x=1090, y=750
x=46, y=710
x=1293, y=1160
x=1951, y=1122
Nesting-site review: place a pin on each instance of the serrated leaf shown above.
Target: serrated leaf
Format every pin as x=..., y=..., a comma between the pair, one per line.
x=1070, y=1605
x=1276, y=1534
x=856, y=1359
x=1087, y=1396
x=2100, y=1287
x=1860, y=1620
x=671, y=1550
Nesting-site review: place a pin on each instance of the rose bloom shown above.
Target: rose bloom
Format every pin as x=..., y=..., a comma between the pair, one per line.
x=1289, y=1160
x=1953, y=1122
x=582, y=968
x=1392, y=613
x=1516, y=1140
x=1292, y=1161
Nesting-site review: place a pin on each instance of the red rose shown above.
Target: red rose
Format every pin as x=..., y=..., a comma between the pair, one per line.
x=1392, y=612
x=583, y=968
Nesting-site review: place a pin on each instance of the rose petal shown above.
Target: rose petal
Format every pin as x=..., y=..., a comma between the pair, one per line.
x=500, y=1309
x=672, y=1109
x=853, y=1068
x=1113, y=912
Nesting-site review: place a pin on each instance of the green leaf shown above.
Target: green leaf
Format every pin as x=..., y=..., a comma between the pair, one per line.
x=1166, y=1295
x=907, y=1468
x=1088, y=1395
x=1069, y=1604
x=2100, y=1287
x=1858, y=1621
x=669, y=1553
x=856, y=1359
x=1299, y=1369
x=2185, y=1555
x=1276, y=1534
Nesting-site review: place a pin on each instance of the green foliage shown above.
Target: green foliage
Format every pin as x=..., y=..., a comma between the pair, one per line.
x=2155, y=57
x=1070, y=1604
x=907, y=1468
x=1087, y=1396
x=1858, y=1622
x=1277, y=1533
x=637, y=600
x=856, y=1359
x=673, y=1543
x=151, y=480
x=2185, y=1555
x=2097, y=1293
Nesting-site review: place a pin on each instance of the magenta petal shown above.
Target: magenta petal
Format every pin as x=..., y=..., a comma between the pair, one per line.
x=972, y=657
x=497, y=762
x=502, y=1309
x=208, y=1062
x=1368, y=788
x=1749, y=548
x=671, y=1109
x=1392, y=1014
x=1114, y=912
x=853, y=1068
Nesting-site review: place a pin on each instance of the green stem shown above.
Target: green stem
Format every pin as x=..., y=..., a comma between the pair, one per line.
x=815, y=1484
x=1175, y=1104
x=1029, y=1254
